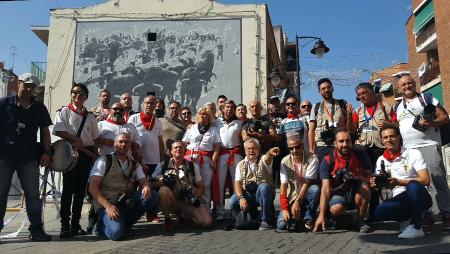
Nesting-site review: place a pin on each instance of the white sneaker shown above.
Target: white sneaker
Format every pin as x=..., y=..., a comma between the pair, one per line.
x=410, y=232
x=403, y=225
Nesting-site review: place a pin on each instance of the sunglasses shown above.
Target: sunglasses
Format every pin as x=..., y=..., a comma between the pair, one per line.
x=81, y=93
x=295, y=147
x=290, y=103
x=173, y=108
x=306, y=106
x=186, y=113
x=117, y=109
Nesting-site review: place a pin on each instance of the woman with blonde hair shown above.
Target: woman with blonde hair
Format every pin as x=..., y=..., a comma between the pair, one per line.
x=203, y=143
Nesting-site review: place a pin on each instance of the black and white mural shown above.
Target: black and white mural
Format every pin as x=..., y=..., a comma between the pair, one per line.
x=191, y=61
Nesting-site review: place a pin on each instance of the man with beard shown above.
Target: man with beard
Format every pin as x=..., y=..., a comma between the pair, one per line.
x=186, y=116
x=221, y=99
x=127, y=101
x=426, y=139
x=173, y=127
x=328, y=116
x=230, y=150
x=259, y=127
x=344, y=173
x=101, y=111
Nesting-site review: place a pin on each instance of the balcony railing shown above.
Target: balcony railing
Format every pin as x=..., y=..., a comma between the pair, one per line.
x=428, y=31
x=430, y=74
x=38, y=69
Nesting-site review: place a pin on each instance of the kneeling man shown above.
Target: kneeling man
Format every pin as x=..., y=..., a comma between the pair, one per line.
x=181, y=187
x=116, y=200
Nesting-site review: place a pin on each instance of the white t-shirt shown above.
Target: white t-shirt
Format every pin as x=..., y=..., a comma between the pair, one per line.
x=110, y=131
x=149, y=139
x=298, y=127
x=230, y=134
x=99, y=168
x=403, y=167
x=202, y=142
x=312, y=172
x=413, y=138
x=251, y=168
x=69, y=121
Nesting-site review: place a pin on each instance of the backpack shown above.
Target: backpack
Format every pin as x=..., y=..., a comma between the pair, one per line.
x=444, y=129
x=108, y=167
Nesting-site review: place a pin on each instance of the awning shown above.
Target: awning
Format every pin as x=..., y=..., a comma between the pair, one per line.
x=385, y=87
x=423, y=16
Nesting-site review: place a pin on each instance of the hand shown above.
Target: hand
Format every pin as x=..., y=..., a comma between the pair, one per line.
x=425, y=123
x=145, y=168
x=320, y=224
x=78, y=143
x=393, y=182
x=243, y=203
x=113, y=212
x=372, y=182
x=296, y=210
x=383, y=124
x=349, y=108
x=45, y=160
x=285, y=214
x=213, y=165
x=146, y=192
x=274, y=151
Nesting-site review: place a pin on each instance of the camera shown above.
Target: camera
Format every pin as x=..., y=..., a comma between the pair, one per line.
x=251, y=187
x=346, y=177
x=169, y=180
x=429, y=113
x=126, y=201
x=382, y=179
x=327, y=135
x=255, y=126
x=188, y=195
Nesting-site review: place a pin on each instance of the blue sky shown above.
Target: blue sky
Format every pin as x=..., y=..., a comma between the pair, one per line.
x=363, y=36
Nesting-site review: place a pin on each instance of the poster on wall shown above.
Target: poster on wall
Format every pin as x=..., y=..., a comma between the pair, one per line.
x=191, y=61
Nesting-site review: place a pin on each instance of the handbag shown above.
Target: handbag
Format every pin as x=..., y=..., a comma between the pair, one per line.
x=244, y=221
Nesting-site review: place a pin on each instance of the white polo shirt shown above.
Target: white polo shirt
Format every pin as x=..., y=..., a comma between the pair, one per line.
x=149, y=139
x=69, y=121
x=201, y=142
x=230, y=133
x=403, y=167
x=110, y=131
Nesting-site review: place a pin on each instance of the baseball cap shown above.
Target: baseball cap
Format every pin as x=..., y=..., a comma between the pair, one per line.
x=29, y=78
x=274, y=99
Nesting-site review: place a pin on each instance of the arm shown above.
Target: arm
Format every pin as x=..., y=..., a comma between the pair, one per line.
x=284, y=202
x=268, y=158
x=244, y=135
x=350, y=125
x=215, y=156
x=240, y=194
x=146, y=188
x=200, y=189
x=422, y=177
x=311, y=134
x=76, y=141
x=324, y=197
x=94, y=189
x=161, y=148
x=46, y=142
x=441, y=117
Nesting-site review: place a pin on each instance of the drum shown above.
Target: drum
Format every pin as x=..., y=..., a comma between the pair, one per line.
x=64, y=156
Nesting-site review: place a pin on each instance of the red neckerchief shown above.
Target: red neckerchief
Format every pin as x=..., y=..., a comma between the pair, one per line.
x=109, y=119
x=292, y=116
x=147, y=120
x=340, y=162
x=391, y=157
x=72, y=107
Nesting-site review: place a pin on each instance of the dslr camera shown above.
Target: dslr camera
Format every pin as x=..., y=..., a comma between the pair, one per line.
x=126, y=201
x=346, y=177
x=170, y=180
x=251, y=187
x=429, y=113
x=188, y=195
x=255, y=126
x=382, y=179
x=327, y=134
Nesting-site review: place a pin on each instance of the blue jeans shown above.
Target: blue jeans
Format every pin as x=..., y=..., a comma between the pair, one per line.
x=116, y=229
x=409, y=204
x=308, y=207
x=28, y=173
x=264, y=198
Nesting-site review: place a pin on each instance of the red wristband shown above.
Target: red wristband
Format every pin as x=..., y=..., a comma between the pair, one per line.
x=284, y=203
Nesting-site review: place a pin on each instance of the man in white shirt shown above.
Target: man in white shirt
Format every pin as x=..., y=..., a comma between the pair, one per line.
x=427, y=140
x=408, y=175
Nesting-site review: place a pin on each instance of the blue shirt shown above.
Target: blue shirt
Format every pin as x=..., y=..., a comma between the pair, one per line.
x=19, y=127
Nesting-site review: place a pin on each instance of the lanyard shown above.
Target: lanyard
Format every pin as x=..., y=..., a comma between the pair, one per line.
x=333, y=109
x=367, y=119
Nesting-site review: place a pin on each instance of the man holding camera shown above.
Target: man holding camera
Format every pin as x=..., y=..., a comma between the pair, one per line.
x=404, y=170
x=326, y=117
x=180, y=188
x=253, y=184
x=419, y=117
x=345, y=176
x=111, y=184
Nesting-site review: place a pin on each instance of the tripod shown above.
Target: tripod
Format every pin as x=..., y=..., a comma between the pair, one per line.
x=53, y=191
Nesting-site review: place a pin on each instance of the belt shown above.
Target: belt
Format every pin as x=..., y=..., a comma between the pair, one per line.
x=189, y=153
x=231, y=152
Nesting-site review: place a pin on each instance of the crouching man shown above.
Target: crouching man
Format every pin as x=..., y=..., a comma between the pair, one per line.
x=116, y=200
x=345, y=174
x=299, y=197
x=253, y=184
x=404, y=170
x=180, y=188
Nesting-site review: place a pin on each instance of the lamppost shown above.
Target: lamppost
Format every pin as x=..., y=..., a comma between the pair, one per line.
x=319, y=50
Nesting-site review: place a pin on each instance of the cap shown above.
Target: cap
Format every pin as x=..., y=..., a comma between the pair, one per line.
x=29, y=78
x=274, y=99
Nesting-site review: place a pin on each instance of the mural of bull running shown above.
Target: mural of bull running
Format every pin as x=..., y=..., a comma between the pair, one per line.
x=189, y=61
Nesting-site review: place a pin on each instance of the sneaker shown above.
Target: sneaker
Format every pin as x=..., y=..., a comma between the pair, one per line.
x=77, y=230
x=219, y=217
x=309, y=225
x=264, y=226
x=446, y=221
x=154, y=218
x=364, y=227
x=38, y=235
x=410, y=232
x=403, y=225
x=65, y=232
x=428, y=220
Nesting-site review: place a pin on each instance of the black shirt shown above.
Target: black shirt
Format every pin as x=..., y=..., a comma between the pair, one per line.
x=19, y=127
x=266, y=124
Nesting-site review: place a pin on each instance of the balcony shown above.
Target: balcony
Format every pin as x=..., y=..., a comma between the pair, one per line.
x=38, y=69
x=429, y=75
x=426, y=40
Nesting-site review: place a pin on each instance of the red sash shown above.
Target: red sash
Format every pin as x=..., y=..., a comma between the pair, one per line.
x=189, y=153
x=231, y=152
x=147, y=120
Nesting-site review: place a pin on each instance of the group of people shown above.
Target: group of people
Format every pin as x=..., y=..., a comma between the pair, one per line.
x=325, y=159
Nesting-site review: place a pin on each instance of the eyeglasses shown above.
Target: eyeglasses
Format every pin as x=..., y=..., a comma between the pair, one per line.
x=306, y=106
x=81, y=93
x=117, y=109
x=186, y=113
x=173, y=108
x=290, y=103
x=295, y=147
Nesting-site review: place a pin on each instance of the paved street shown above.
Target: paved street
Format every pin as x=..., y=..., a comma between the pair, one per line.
x=150, y=238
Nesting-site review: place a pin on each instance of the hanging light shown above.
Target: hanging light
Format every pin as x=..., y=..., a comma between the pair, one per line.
x=319, y=49
x=275, y=77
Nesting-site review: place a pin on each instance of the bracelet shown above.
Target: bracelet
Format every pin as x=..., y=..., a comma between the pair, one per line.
x=241, y=197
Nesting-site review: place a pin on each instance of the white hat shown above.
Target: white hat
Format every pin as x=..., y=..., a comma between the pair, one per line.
x=29, y=78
